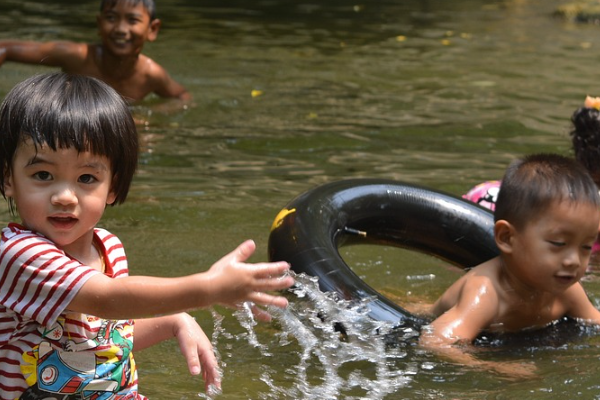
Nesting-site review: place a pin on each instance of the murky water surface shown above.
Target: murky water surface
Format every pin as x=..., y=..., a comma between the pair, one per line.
x=439, y=93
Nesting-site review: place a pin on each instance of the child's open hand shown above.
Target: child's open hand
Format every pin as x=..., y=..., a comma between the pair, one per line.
x=233, y=281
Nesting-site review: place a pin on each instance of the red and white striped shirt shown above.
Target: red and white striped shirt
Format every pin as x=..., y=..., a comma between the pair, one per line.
x=44, y=348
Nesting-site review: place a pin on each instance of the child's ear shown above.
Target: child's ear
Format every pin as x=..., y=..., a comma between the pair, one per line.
x=504, y=233
x=8, y=186
x=153, y=29
x=112, y=196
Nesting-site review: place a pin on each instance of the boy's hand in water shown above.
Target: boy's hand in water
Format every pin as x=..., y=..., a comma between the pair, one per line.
x=233, y=281
x=460, y=352
x=513, y=371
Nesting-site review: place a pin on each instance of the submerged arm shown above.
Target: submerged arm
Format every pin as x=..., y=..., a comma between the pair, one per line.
x=579, y=306
x=164, y=85
x=452, y=332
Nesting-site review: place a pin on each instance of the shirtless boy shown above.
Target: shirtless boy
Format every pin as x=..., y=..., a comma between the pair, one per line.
x=124, y=26
x=546, y=221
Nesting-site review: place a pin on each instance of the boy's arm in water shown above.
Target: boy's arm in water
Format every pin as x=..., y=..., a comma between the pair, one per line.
x=579, y=306
x=451, y=334
x=165, y=86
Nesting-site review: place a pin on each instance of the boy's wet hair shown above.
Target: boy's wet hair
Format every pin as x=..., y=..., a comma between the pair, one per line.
x=64, y=111
x=536, y=182
x=149, y=5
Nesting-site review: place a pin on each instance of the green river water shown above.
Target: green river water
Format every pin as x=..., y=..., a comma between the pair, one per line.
x=438, y=93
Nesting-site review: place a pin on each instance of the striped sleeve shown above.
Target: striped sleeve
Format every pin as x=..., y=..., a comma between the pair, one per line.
x=114, y=254
x=37, y=280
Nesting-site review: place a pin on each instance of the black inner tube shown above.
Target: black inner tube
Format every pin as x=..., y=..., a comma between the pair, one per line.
x=309, y=230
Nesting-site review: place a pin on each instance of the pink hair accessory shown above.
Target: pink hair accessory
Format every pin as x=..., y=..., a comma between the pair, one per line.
x=592, y=102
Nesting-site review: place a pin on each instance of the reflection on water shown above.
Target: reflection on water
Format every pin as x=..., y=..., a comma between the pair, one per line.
x=439, y=93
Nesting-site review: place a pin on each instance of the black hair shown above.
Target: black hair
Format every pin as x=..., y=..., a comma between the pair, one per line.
x=585, y=138
x=65, y=111
x=149, y=5
x=535, y=182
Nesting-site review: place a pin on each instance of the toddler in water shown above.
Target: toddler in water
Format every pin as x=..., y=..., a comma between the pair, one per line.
x=123, y=26
x=546, y=221
x=69, y=311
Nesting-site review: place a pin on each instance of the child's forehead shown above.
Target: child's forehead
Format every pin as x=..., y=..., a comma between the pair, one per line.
x=566, y=209
x=28, y=145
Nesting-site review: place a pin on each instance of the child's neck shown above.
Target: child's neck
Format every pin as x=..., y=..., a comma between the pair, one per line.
x=87, y=252
x=521, y=292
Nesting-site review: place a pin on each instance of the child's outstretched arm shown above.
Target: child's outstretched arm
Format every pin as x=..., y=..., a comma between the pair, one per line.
x=57, y=54
x=230, y=281
x=194, y=344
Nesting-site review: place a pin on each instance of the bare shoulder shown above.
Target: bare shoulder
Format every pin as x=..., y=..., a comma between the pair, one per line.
x=478, y=284
x=158, y=79
x=481, y=286
x=468, y=307
x=72, y=57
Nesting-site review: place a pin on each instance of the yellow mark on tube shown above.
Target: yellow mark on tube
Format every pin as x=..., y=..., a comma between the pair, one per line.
x=279, y=218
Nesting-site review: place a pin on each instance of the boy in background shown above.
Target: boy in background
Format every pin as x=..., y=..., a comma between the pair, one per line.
x=123, y=26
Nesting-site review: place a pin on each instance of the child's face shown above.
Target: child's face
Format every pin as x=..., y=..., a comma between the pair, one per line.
x=61, y=194
x=124, y=28
x=552, y=252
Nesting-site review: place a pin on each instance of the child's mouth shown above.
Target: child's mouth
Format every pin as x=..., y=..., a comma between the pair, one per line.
x=62, y=222
x=565, y=279
x=121, y=41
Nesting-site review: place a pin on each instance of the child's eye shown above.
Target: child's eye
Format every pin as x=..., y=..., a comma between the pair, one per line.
x=87, y=178
x=556, y=243
x=42, y=176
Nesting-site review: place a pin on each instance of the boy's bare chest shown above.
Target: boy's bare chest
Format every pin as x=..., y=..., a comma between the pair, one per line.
x=129, y=79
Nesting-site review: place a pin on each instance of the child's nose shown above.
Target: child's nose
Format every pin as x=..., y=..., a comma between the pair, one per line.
x=64, y=195
x=573, y=260
x=121, y=25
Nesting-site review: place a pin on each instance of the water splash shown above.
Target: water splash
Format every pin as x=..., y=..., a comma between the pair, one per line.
x=339, y=350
